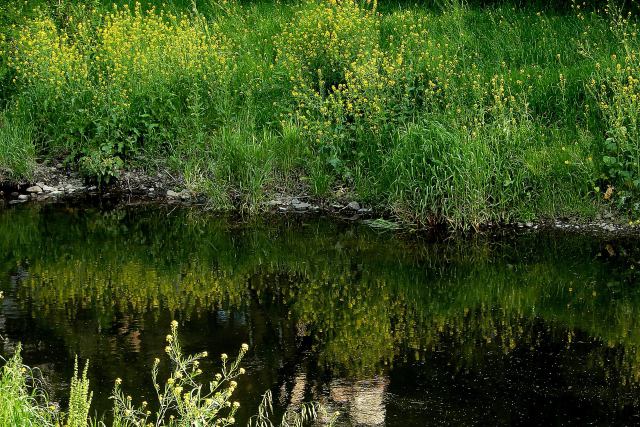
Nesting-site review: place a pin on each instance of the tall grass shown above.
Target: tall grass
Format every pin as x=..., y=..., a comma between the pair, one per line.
x=452, y=113
x=184, y=399
x=22, y=404
x=17, y=150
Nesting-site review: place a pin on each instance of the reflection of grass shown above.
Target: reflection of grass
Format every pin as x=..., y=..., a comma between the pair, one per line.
x=382, y=224
x=363, y=297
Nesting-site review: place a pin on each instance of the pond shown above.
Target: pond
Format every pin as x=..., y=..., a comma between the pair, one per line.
x=389, y=329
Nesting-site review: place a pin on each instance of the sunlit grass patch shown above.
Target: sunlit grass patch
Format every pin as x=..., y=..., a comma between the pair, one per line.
x=243, y=98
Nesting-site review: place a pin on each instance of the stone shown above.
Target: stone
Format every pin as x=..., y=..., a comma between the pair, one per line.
x=299, y=205
x=15, y=202
x=23, y=197
x=151, y=190
x=529, y=224
x=92, y=188
x=274, y=203
x=15, y=194
x=46, y=188
x=35, y=189
x=172, y=194
x=302, y=206
x=364, y=210
x=354, y=206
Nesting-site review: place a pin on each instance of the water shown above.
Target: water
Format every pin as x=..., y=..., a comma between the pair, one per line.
x=390, y=330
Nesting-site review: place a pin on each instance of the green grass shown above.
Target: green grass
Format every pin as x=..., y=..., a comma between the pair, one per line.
x=463, y=114
x=184, y=399
x=17, y=150
x=21, y=405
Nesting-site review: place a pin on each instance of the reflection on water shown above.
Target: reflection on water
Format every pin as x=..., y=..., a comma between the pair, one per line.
x=388, y=330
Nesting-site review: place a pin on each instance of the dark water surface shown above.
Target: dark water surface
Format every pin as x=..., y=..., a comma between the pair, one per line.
x=535, y=329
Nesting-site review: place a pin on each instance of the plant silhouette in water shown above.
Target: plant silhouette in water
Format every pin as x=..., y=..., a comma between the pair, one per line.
x=184, y=400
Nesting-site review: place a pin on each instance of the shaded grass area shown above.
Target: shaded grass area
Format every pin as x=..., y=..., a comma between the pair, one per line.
x=17, y=150
x=454, y=113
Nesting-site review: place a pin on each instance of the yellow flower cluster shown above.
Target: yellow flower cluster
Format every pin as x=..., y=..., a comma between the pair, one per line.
x=137, y=49
x=346, y=73
x=107, y=77
x=48, y=58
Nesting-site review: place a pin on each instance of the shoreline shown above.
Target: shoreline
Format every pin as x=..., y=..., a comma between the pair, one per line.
x=56, y=184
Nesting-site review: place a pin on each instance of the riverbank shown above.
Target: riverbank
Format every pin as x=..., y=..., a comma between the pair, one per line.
x=57, y=184
x=461, y=116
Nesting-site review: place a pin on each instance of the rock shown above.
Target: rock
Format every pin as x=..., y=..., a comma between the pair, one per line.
x=35, y=189
x=529, y=224
x=59, y=166
x=364, y=210
x=15, y=202
x=299, y=205
x=354, y=206
x=23, y=197
x=172, y=194
x=47, y=189
x=274, y=203
x=1, y=193
x=151, y=190
x=15, y=194
x=302, y=206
